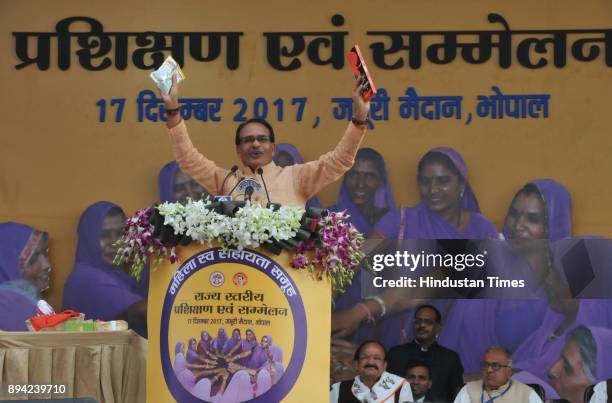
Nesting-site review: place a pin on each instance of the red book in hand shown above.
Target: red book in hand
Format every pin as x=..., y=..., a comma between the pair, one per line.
x=360, y=70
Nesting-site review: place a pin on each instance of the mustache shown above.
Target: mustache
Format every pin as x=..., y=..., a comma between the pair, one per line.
x=371, y=366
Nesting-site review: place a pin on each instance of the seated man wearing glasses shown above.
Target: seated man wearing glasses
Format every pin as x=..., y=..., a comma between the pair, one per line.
x=373, y=383
x=496, y=385
x=257, y=177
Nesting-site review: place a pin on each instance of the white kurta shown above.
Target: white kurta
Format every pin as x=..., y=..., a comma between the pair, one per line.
x=382, y=391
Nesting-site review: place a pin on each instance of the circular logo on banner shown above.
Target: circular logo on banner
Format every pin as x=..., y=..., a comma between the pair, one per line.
x=217, y=279
x=240, y=279
x=232, y=341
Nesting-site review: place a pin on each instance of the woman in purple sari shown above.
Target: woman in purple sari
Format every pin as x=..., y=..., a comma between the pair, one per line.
x=24, y=255
x=175, y=185
x=365, y=193
x=261, y=353
x=579, y=359
x=366, y=196
x=538, y=351
x=271, y=371
x=539, y=212
x=448, y=210
x=220, y=341
x=231, y=343
x=448, y=207
x=205, y=345
x=248, y=346
x=96, y=287
x=286, y=154
x=24, y=273
x=180, y=363
x=192, y=352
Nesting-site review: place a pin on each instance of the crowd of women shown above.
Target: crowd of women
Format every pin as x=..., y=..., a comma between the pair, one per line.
x=539, y=214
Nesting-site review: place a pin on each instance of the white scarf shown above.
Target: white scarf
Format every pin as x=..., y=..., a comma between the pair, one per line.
x=386, y=386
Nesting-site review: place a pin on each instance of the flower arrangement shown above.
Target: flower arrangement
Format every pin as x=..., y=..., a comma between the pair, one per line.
x=324, y=244
x=335, y=254
x=138, y=245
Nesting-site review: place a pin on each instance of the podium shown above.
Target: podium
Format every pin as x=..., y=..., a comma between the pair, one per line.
x=237, y=325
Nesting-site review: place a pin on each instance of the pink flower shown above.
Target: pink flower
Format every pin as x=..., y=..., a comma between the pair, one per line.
x=299, y=261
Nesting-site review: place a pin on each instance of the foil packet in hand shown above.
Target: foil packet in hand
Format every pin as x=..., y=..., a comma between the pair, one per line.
x=163, y=75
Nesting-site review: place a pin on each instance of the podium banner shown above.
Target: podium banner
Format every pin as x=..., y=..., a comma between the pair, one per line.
x=232, y=326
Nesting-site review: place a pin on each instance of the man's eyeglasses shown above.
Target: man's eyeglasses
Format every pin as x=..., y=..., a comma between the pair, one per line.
x=262, y=138
x=495, y=366
x=372, y=357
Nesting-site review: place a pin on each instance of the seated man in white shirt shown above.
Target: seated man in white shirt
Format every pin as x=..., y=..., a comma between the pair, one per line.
x=496, y=384
x=373, y=384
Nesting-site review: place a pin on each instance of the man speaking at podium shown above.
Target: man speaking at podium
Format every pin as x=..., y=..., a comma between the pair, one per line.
x=257, y=177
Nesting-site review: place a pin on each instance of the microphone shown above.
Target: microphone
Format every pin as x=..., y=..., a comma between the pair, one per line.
x=260, y=172
x=230, y=173
x=249, y=192
x=237, y=183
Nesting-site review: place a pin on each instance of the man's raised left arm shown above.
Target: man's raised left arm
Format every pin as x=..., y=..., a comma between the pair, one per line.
x=313, y=176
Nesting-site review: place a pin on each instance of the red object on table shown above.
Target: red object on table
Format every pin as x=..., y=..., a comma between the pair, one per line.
x=43, y=321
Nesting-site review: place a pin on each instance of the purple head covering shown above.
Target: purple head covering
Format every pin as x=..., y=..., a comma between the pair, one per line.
x=166, y=181
x=206, y=342
x=289, y=149
x=232, y=341
x=192, y=353
x=179, y=347
x=260, y=356
x=239, y=388
x=89, y=232
x=603, y=364
x=16, y=304
x=264, y=382
x=510, y=321
x=248, y=344
x=186, y=379
x=277, y=362
x=383, y=198
x=422, y=224
x=95, y=288
x=469, y=201
x=539, y=351
x=179, y=359
x=202, y=390
x=558, y=205
x=297, y=159
x=220, y=339
x=166, y=178
x=13, y=239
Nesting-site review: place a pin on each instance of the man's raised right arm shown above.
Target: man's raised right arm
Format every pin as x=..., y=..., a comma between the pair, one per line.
x=191, y=161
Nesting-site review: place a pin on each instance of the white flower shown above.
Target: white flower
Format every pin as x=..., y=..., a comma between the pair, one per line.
x=251, y=226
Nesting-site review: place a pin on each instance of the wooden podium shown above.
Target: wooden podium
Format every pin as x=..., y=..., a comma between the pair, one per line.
x=233, y=326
